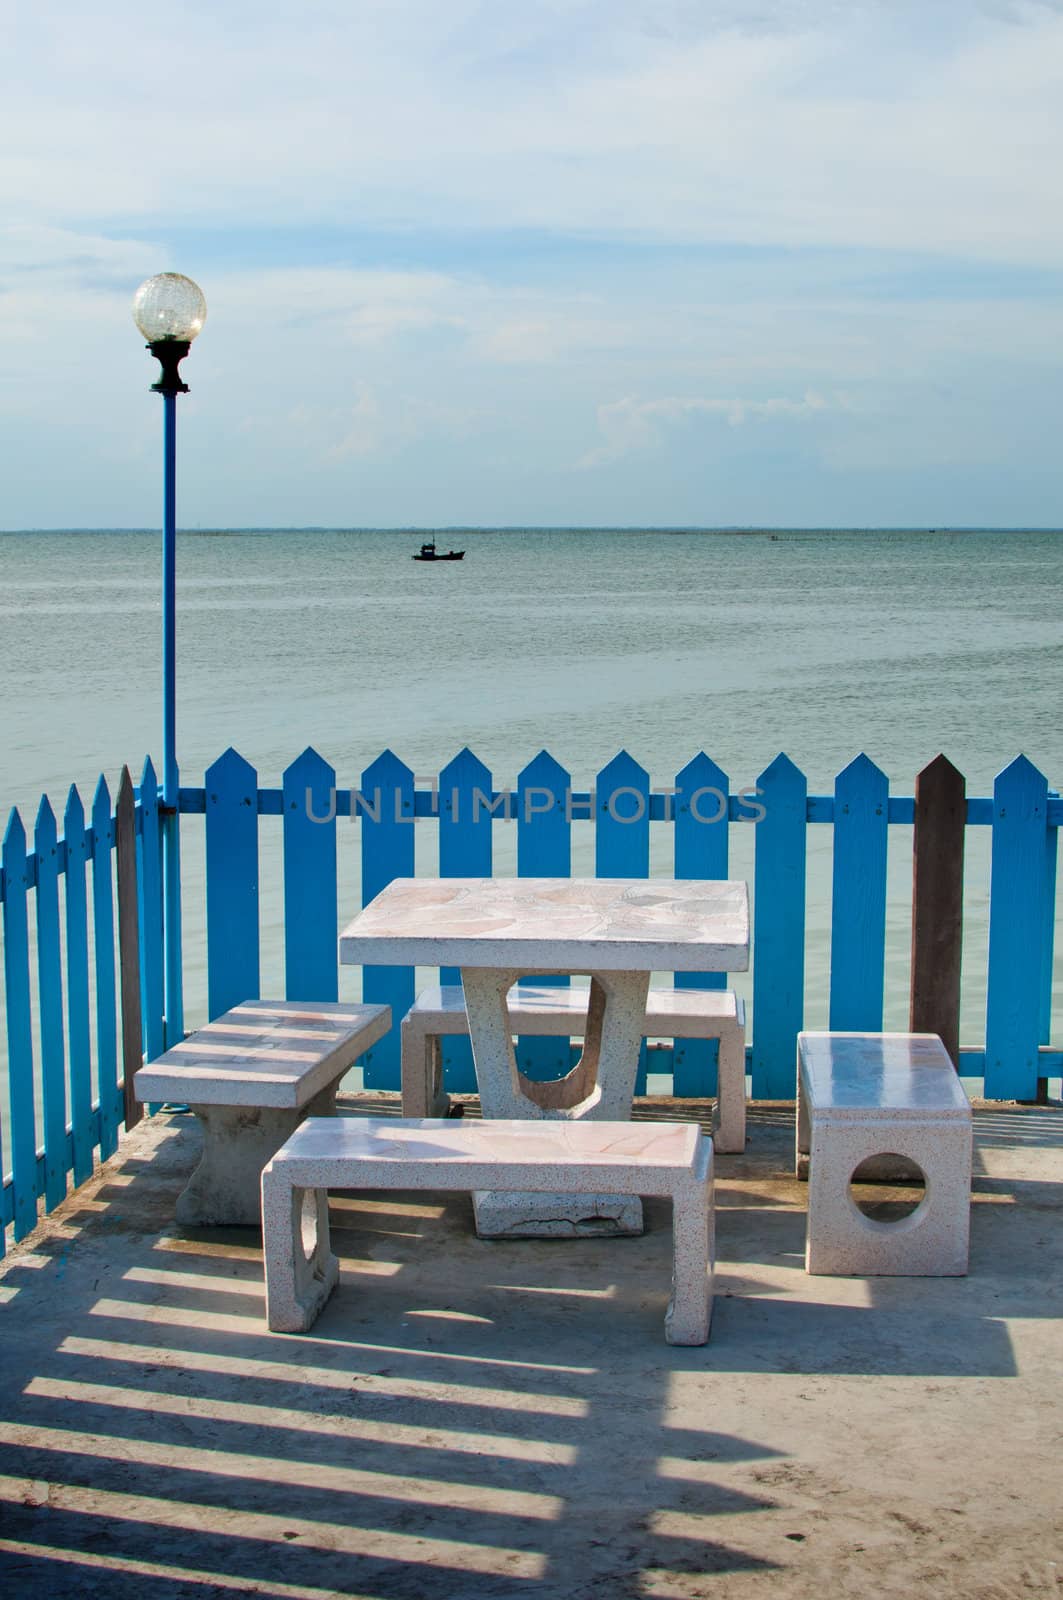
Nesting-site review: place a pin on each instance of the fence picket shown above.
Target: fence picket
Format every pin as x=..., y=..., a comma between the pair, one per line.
x=858, y=911
x=77, y=986
x=464, y=852
x=388, y=841
x=107, y=1086
x=1048, y=932
x=622, y=836
x=21, y=1098
x=149, y=913
x=130, y=950
x=311, y=950
x=1013, y=994
x=700, y=846
x=937, y=903
x=50, y=996
x=232, y=883
x=622, y=819
x=779, y=929
x=544, y=850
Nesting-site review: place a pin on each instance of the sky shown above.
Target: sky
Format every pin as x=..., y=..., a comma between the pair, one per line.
x=523, y=262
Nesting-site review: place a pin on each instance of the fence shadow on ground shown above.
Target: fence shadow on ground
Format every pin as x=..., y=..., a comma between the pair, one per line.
x=435, y=1435
x=466, y=1420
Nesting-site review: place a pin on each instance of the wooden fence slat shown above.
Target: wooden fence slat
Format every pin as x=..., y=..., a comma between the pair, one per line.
x=622, y=819
x=50, y=999
x=1048, y=930
x=858, y=909
x=937, y=902
x=622, y=836
x=109, y=1093
x=544, y=828
x=21, y=1097
x=1013, y=994
x=232, y=883
x=129, y=954
x=779, y=929
x=77, y=986
x=544, y=850
x=700, y=846
x=172, y=1009
x=150, y=913
x=311, y=931
x=387, y=843
x=464, y=852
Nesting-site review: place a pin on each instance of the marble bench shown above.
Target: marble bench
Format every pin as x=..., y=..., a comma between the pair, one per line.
x=251, y=1076
x=894, y=1101
x=588, y=1158
x=558, y=1010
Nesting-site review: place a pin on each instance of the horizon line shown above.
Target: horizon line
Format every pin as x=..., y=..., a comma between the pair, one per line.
x=560, y=527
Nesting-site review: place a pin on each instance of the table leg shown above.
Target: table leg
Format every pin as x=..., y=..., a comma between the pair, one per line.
x=601, y=1085
x=223, y=1191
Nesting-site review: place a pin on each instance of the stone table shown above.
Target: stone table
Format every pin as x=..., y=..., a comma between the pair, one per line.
x=497, y=930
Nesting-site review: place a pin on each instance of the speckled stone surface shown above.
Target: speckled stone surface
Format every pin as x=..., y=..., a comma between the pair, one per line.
x=251, y=1076
x=555, y=924
x=275, y=1053
x=589, y=1158
x=861, y=1096
x=500, y=929
x=538, y=1009
x=600, y=1087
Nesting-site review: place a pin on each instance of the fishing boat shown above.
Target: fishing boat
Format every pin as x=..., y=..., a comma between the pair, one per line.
x=430, y=553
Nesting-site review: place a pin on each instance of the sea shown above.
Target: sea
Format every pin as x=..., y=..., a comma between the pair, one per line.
x=661, y=642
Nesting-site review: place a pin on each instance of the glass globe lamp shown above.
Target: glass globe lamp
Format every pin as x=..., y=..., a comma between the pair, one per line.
x=169, y=309
x=169, y=306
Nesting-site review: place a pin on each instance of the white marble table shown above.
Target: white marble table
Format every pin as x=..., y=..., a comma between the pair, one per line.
x=618, y=931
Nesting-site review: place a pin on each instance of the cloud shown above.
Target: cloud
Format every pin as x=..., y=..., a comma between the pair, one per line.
x=372, y=423
x=36, y=248
x=437, y=241
x=886, y=125
x=631, y=425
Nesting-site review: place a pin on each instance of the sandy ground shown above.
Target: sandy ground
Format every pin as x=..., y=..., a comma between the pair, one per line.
x=473, y=1421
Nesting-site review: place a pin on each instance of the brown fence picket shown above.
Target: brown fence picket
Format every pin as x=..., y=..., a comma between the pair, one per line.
x=937, y=902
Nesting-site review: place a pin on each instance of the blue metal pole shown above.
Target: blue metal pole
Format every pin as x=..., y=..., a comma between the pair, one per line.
x=171, y=844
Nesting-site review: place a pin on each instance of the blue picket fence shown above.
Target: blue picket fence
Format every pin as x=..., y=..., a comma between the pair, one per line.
x=65, y=1083
x=700, y=811
x=65, y=1089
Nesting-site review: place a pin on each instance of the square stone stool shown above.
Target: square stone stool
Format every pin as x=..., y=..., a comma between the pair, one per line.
x=862, y=1096
x=251, y=1076
x=558, y=1010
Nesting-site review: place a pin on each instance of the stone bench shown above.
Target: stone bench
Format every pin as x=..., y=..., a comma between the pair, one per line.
x=558, y=1010
x=591, y=1158
x=892, y=1100
x=251, y=1076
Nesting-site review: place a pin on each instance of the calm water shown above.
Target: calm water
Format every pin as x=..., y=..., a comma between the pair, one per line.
x=821, y=644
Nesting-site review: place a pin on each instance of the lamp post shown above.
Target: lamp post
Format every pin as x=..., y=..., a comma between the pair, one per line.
x=169, y=309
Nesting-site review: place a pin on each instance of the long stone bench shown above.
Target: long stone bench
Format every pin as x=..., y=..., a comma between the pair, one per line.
x=591, y=1158
x=891, y=1102
x=561, y=1011
x=251, y=1076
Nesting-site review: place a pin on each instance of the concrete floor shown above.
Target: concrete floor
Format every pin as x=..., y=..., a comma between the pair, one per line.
x=472, y=1421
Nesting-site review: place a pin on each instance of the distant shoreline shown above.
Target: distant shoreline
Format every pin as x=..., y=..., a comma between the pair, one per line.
x=451, y=530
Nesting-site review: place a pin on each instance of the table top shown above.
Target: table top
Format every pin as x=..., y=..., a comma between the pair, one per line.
x=555, y=924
